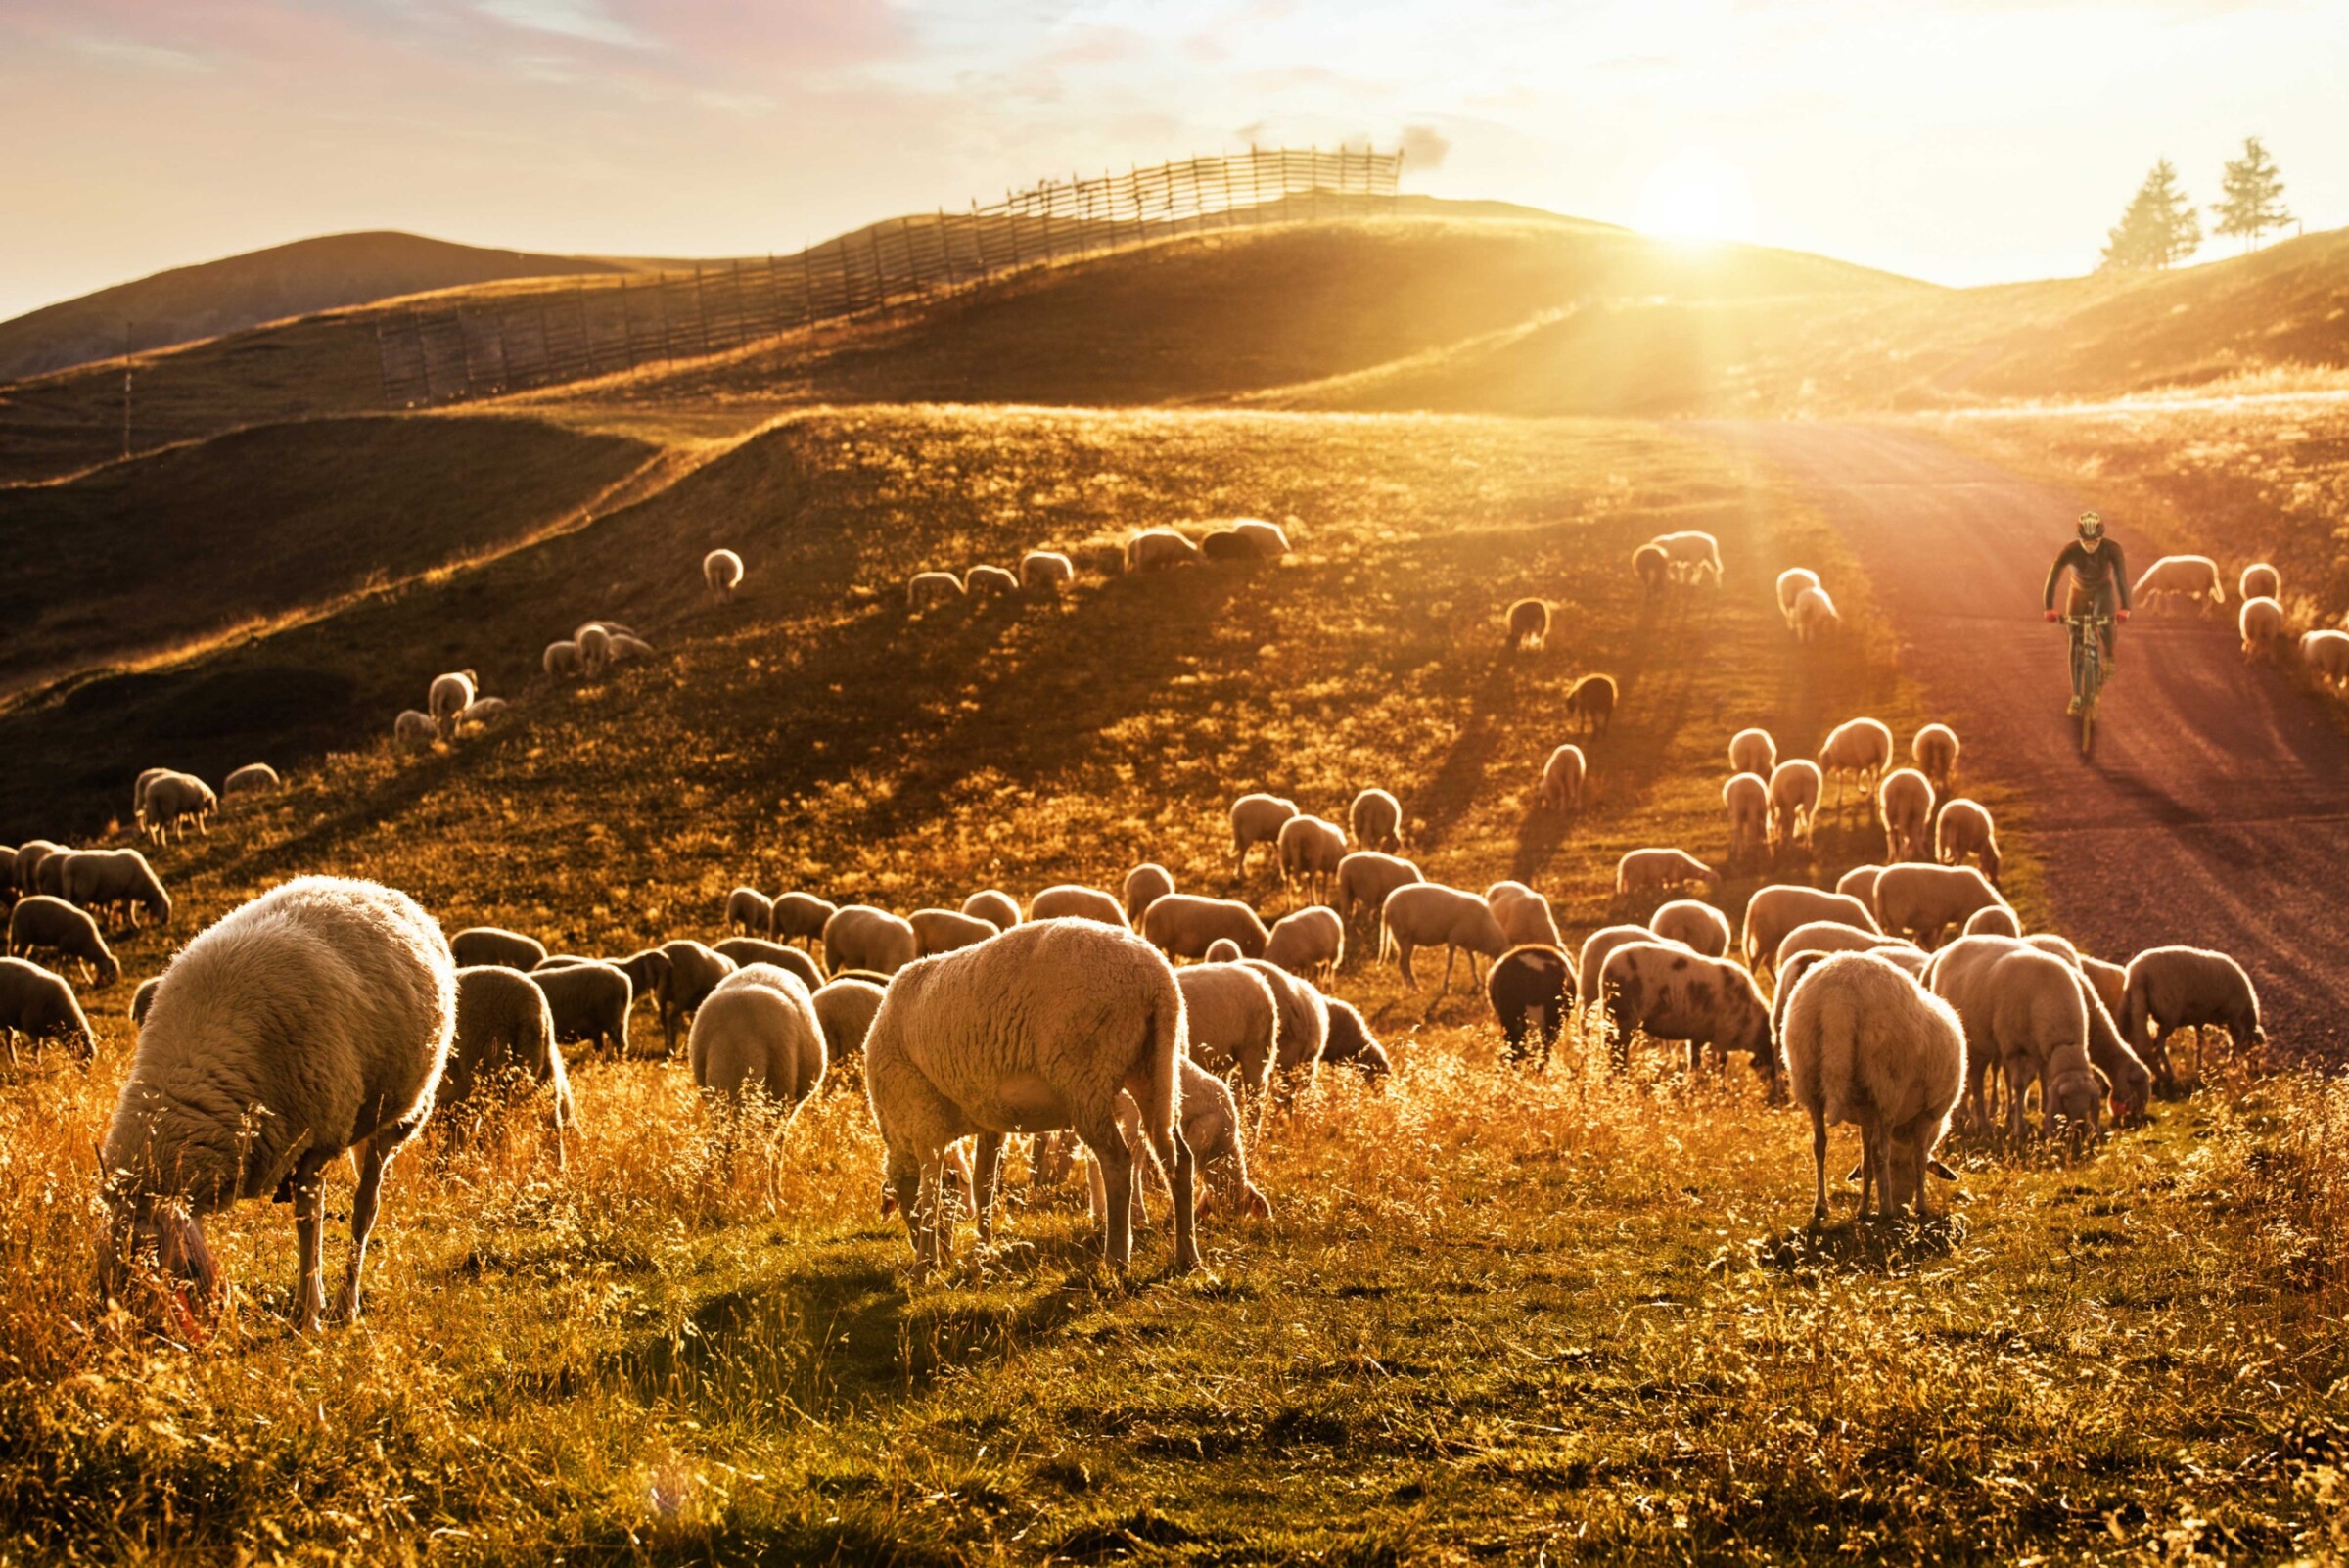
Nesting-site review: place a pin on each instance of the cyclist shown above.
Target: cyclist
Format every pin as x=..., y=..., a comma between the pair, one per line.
x=2100, y=577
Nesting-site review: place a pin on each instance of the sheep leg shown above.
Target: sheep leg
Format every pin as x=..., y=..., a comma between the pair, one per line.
x=309, y=1222
x=1819, y=1165
x=375, y=1157
x=1108, y=1147
x=1869, y=1159
x=1450, y=953
x=984, y=1171
x=1175, y=1157
x=1403, y=960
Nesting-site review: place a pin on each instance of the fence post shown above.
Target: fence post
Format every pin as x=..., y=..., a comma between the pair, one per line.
x=946, y=249
x=872, y=247
x=383, y=364
x=806, y=286
x=587, y=328
x=1011, y=210
x=628, y=324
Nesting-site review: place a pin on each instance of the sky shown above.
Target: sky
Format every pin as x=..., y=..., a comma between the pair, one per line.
x=1963, y=141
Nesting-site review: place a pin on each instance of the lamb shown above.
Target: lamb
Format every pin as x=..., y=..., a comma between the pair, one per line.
x=1311, y=848
x=2169, y=988
x=1233, y=1022
x=254, y=778
x=1920, y=902
x=799, y=916
x=1753, y=751
x=1528, y=624
x=749, y=909
x=990, y=582
x=1694, y=925
x=1965, y=830
x=313, y=1019
x=2260, y=580
x=2026, y=1012
x=1794, y=790
x=861, y=936
x=945, y=930
x=1377, y=820
x=1934, y=751
x=450, y=695
x=926, y=590
x=1653, y=567
x=115, y=878
x=1033, y=1032
x=1858, y=751
x=1695, y=556
x=1904, y=805
x=1524, y=914
x=1045, y=573
x=476, y=946
x=1814, y=615
x=2327, y=654
x=42, y=923
x=758, y=1032
x=845, y=1008
x=2261, y=622
x=1351, y=1043
x=175, y=800
x=1365, y=878
x=1145, y=884
x=1746, y=799
x=1997, y=920
x=2181, y=576
x=994, y=906
x=1258, y=820
x=1645, y=870
x=561, y=660
x=1774, y=911
x=1427, y=914
x=413, y=728
x=1591, y=703
x=748, y=951
x=1211, y=1126
x=1591, y=963
x=1310, y=943
x=1864, y=1044
x=588, y=1001
x=1072, y=901
x=1304, y=1018
x=1792, y=584
x=1531, y=990
x=1156, y=549
x=694, y=972
x=1675, y=995
x=1562, y=788
x=1263, y=538
x=504, y=1029
x=1183, y=924
x=721, y=570
x=40, y=1005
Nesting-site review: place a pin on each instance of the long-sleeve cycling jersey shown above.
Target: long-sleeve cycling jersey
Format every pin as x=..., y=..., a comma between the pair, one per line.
x=2096, y=570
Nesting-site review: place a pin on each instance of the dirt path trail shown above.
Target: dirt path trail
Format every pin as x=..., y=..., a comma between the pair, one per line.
x=2216, y=809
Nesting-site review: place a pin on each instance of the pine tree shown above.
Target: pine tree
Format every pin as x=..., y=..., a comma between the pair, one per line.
x=2158, y=228
x=2254, y=194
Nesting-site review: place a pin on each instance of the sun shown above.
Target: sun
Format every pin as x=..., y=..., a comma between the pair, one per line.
x=1696, y=196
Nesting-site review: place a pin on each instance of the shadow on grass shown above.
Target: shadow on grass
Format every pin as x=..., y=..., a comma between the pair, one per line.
x=1874, y=1245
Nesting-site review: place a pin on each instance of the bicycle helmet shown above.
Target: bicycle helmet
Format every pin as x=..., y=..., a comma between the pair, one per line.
x=2092, y=525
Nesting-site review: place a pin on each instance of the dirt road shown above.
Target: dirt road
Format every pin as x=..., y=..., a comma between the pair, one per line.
x=2215, y=808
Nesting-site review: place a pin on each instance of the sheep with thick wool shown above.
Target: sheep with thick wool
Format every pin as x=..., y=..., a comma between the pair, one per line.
x=945, y=930
x=1795, y=786
x=2026, y=1012
x=1671, y=995
x=1157, y=549
x=799, y=917
x=1921, y=901
x=46, y=924
x=1210, y=1127
x=757, y=1031
x=2261, y=625
x=1814, y=615
x=1651, y=869
x=1233, y=1022
x=1934, y=750
x=40, y=1005
x=313, y=1021
x=1528, y=625
x=1072, y=901
x=505, y=1029
x=1524, y=914
x=1591, y=959
x=476, y=946
x=1365, y=878
x=1310, y=943
x=1793, y=583
x=845, y=1008
x=1532, y=990
x=1591, y=703
x=1693, y=554
x=2260, y=580
x=1856, y=753
x=1044, y=573
x=1377, y=819
x=1184, y=925
x=1695, y=925
x=174, y=801
x=450, y=695
x=1303, y=1019
x=2325, y=653
x=1258, y=820
x=1832, y=936
x=750, y=910
x=1311, y=848
x=694, y=972
x=749, y=951
x=2192, y=578
x=1905, y=807
x=994, y=906
x=2169, y=988
x=414, y=727
x=1351, y=1043
x=1753, y=751
x=1775, y=910
x=722, y=574
x=254, y=778
x=1429, y=914
x=859, y=936
x=1562, y=788
x=1966, y=832
x=1865, y=1044
x=1143, y=887
x=1746, y=798
x=589, y=1002
x=114, y=879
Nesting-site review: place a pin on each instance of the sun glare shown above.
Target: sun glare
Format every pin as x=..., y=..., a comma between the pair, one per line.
x=1696, y=196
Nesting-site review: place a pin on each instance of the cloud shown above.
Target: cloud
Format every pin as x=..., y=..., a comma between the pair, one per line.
x=141, y=56
x=582, y=20
x=1424, y=148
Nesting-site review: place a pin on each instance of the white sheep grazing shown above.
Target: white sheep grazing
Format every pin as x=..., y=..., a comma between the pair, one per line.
x=1647, y=870
x=114, y=879
x=41, y=923
x=1995, y=921
x=589, y=1002
x=1860, y=883
x=1044, y=573
x=505, y=1029
x=1145, y=884
x=749, y=951
x=1524, y=914
x=1775, y=910
x=1794, y=790
x=561, y=660
x=1365, y=878
x=1310, y=943
x=694, y=972
x=1856, y=751
x=1033, y=1032
x=1670, y=994
x=1377, y=819
x=1304, y=1020
x=1832, y=936
x=1694, y=925
x=1695, y=555
x=1184, y=925
x=1904, y=805
x=2025, y=1012
x=1155, y=549
x=1233, y=1021
x=1793, y=582
x=254, y=778
x=476, y=946
x=414, y=728
x=994, y=906
x=1814, y=615
x=1258, y=820
x=750, y=910
x=801, y=917
x=2260, y=580
x=1864, y=1044
x=1653, y=567
x=1311, y=848
x=721, y=570
x=313, y=1019
x=946, y=930
x=1590, y=963
x=40, y=1005
x=1224, y=950
x=928, y=589
x=1263, y=538
x=2180, y=577
x=2169, y=988
x=1072, y=901
x=985, y=582
x=1934, y=751
x=449, y=696
x=1210, y=1127
x=1965, y=831
x=2261, y=624
x=1528, y=624
x=175, y=800
x=845, y=1008
x=1746, y=799
x=2325, y=653
x=758, y=1032
x=1753, y=751
x=594, y=643
x=480, y=713
x=2110, y=982
x=1921, y=901
x=2132, y=1081
x=1562, y=779
x=1429, y=914
x=627, y=649
x=138, y=792
x=859, y=936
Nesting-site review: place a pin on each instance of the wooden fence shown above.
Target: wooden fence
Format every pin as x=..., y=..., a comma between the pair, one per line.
x=576, y=329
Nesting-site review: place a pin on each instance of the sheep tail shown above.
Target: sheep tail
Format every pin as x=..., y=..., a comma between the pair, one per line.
x=1164, y=1045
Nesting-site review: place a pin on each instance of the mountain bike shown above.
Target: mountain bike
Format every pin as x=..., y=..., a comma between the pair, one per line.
x=2088, y=669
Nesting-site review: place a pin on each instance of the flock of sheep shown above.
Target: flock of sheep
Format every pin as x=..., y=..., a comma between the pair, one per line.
x=2262, y=621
